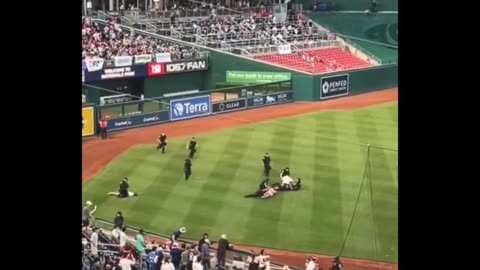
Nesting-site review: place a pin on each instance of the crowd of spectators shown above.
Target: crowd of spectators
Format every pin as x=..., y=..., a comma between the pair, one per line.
x=263, y=29
x=111, y=40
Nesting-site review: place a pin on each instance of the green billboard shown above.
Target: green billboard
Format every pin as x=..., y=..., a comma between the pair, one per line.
x=234, y=76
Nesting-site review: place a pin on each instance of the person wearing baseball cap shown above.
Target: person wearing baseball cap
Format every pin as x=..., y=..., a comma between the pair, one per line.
x=87, y=217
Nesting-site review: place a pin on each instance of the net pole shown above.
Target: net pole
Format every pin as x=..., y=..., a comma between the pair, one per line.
x=356, y=204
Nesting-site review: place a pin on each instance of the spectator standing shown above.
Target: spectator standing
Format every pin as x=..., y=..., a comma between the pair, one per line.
x=126, y=262
x=202, y=240
x=118, y=221
x=122, y=237
x=205, y=254
x=94, y=242
x=223, y=246
x=311, y=263
x=184, y=257
x=103, y=128
x=337, y=264
x=176, y=255
x=197, y=264
x=140, y=244
x=167, y=264
x=88, y=218
x=159, y=259
x=151, y=258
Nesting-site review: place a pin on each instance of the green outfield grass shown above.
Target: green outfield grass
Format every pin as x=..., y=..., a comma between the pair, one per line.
x=321, y=148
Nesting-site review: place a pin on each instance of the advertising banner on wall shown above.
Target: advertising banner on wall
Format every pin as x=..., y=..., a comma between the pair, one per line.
x=139, y=69
x=269, y=99
x=234, y=76
x=117, y=73
x=229, y=105
x=334, y=86
x=186, y=108
x=88, y=121
x=137, y=120
x=186, y=66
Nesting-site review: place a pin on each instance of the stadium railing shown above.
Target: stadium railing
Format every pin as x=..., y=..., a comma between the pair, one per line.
x=232, y=259
x=223, y=93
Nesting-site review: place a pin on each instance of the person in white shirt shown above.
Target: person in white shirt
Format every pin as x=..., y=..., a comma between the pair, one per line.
x=197, y=264
x=311, y=263
x=126, y=262
x=167, y=264
x=94, y=242
x=122, y=237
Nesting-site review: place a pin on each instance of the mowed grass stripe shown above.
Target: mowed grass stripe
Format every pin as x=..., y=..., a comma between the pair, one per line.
x=296, y=208
x=264, y=219
x=166, y=171
x=179, y=206
x=327, y=206
x=351, y=165
x=381, y=182
x=214, y=192
x=248, y=177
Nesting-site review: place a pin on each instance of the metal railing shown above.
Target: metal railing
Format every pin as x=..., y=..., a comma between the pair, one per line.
x=237, y=252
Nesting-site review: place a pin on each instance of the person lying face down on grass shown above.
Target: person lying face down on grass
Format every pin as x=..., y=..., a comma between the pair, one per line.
x=117, y=194
x=265, y=193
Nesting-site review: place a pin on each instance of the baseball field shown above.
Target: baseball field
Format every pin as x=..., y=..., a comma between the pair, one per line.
x=326, y=149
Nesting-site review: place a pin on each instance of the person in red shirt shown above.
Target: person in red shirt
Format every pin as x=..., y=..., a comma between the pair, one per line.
x=103, y=128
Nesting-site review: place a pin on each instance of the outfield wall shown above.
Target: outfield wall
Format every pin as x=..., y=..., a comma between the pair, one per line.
x=306, y=87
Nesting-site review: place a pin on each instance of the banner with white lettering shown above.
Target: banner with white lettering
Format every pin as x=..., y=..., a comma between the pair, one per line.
x=142, y=59
x=186, y=66
x=163, y=58
x=123, y=61
x=284, y=49
x=94, y=64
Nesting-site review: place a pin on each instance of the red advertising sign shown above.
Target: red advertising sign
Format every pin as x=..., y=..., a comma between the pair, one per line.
x=155, y=69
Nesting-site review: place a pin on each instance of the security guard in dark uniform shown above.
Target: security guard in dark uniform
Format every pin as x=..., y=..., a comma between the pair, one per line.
x=123, y=188
x=162, y=142
x=266, y=165
x=187, y=168
x=192, y=147
x=285, y=172
x=263, y=185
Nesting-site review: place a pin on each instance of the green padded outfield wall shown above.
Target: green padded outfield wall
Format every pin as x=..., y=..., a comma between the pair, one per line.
x=354, y=5
x=158, y=86
x=220, y=63
x=366, y=80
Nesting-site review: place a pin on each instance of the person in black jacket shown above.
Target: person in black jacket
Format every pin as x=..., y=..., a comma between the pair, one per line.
x=285, y=172
x=123, y=188
x=201, y=241
x=266, y=165
x=162, y=142
x=192, y=147
x=337, y=264
x=223, y=246
x=176, y=235
x=263, y=185
x=118, y=221
x=187, y=168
